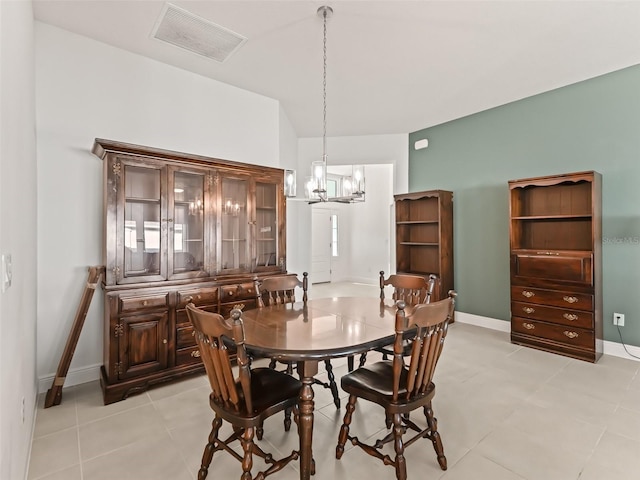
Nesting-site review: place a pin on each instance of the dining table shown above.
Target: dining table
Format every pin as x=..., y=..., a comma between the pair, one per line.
x=316, y=330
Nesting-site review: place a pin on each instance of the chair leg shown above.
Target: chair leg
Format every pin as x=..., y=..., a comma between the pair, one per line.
x=401, y=464
x=363, y=359
x=272, y=364
x=344, y=429
x=350, y=363
x=332, y=384
x=432, y=422
x=209, y=449
x=247, y=447
x=287, y=419
x=259, y=432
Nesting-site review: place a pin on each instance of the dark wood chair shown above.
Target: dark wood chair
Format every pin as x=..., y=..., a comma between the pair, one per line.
x=400, y=388
x=412, y=290
x=245, y=402
x=281, y=289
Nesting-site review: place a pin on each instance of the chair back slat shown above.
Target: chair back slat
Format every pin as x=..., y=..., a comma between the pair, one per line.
x=213, y=334
x=280, y=289
x=410, y=289
x=430, y=321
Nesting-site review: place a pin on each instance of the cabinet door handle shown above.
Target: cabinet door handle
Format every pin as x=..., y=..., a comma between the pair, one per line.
x=528, y=294
x=529, y=326
x=570, y=299
x=528, y=309
x=570, y=316
x=569, y=334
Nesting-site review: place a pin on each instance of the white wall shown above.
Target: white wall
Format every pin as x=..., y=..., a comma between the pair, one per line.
x=86, y=89
x=365, y=228
x=17, y=237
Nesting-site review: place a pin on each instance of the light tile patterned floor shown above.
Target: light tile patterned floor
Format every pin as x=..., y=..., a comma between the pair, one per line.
x=504, y=412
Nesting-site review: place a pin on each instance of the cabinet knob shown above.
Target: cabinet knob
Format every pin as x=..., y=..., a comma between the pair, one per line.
x=529, y=326
x=569, y=334
x=570, y=299
x=528, y=294
x=570, y=316
x=164, y=341
x=528, y=309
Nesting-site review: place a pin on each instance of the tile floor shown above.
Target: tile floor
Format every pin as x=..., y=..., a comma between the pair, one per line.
x=504, y=412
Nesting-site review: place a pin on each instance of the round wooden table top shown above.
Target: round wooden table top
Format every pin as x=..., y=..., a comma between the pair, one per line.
x=320, y=329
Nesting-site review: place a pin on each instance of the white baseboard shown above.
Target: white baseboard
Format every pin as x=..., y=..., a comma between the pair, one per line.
x=609, y=348
x=74, y=377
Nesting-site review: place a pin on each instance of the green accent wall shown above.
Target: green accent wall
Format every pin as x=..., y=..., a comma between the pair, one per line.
x=591, y=125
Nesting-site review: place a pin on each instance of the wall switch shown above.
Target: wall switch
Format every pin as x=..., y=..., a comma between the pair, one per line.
x=5, y=271
x=618, y=319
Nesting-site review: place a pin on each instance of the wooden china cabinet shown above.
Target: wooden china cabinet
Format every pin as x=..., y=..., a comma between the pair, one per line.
x=556, y=264
x=179, y=228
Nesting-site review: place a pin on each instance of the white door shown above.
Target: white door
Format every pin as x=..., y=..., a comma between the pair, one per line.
x=320, y=245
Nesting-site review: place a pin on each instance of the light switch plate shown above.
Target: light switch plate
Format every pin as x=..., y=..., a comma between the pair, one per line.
x=6, y=271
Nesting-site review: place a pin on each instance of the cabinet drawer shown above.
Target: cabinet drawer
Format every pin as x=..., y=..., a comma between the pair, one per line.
x=576, y=301
x=185, y=356
x=181, y=315
x=229, y=293
x=577, y=337
x=198, y=296
x=184, y=337
x=225, y=310
x=141, y=302
x=574, y=318
x=568, y=267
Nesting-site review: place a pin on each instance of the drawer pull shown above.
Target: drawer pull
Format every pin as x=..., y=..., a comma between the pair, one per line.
x=569, y=334
x=145, y=303
x=529, y=326
x=199, y=297
x=528, y=309
x=528, y=294
x=570, y=299
x=570, y=316
x=547, y=253
x=195, y=354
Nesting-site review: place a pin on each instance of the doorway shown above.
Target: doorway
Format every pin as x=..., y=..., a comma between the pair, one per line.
x=321, y=230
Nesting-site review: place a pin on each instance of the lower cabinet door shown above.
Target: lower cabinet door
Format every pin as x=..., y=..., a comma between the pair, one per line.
x=143, y=344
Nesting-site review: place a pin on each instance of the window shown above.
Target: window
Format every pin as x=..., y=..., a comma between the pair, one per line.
x=334, y=235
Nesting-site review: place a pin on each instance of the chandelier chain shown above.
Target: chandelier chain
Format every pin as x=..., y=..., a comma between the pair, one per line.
x=324, y=88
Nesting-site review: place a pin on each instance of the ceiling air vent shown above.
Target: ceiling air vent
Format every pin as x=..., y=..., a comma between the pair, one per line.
x=186, y=30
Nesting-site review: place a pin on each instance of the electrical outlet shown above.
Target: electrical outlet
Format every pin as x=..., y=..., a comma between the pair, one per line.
x=618, y=319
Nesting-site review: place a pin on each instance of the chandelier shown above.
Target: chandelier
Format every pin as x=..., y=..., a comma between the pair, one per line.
x=344, y=188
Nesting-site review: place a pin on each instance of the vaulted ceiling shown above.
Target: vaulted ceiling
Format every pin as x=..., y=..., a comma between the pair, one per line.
x=392, y=66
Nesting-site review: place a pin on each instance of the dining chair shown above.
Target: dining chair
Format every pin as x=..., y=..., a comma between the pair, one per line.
x=281, y=289
x=411, y=289
x=401, y=387
x=246, y=401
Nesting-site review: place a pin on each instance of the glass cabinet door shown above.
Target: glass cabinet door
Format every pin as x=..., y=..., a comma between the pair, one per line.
x=141, y=230
x=266, y=226
x=234, y=226
x=187, y=234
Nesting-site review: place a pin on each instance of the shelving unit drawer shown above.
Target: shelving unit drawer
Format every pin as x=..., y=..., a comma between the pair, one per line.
x=185, y=356
x=555, y=298
x=141, y=302
x=184, y=337
x=198, y=296
x=229, y=293
x=573, y=318
x=576, y=337
x=569, y=267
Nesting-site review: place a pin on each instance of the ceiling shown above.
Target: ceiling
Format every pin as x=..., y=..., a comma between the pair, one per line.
x=393, y=66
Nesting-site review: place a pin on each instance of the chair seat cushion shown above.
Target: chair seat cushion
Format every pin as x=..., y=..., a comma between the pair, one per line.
x=375, y=382
x=271, y=391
